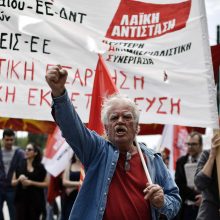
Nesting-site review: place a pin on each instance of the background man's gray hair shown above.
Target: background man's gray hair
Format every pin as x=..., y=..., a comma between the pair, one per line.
x=118, y=99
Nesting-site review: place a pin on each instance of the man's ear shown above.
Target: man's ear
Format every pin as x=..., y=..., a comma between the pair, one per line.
x=138, y=128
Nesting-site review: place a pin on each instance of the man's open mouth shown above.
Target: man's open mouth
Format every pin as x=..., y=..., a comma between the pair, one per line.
x=120, y=130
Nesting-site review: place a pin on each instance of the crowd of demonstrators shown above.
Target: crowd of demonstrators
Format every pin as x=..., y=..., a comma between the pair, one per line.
x=10, y=157
x=24, y=180
x=71, y=184
x=191, y=197
x=206, y=181
x=30, y=179
x=115, y=186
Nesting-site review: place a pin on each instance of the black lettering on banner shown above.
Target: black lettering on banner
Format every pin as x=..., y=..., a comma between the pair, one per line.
x=72, y=16
x=14, y=4
x=44, y=8
x=4, y=16
x=9, y=41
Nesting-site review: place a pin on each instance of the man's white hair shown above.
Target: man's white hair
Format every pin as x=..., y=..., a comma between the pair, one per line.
x=118, y=99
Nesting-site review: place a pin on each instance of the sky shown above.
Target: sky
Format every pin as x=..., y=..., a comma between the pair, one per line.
x=213, y=19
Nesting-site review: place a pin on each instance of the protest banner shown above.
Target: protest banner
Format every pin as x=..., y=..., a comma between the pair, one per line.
x=157, y=53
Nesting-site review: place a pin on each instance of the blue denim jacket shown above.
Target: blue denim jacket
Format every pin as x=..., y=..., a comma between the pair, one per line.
x=100, y=158
x=5, y=178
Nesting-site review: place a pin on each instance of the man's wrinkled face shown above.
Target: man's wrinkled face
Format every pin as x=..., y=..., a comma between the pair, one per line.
x=8, y=141
x=194, y=147
x=122, y=127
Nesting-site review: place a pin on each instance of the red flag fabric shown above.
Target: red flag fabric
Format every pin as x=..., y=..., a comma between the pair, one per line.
x=54, y=188
x=56, y=158
x=103, y=87
x=173, y=138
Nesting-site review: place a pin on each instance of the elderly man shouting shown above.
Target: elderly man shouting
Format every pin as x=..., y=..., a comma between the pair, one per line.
x=115, y=186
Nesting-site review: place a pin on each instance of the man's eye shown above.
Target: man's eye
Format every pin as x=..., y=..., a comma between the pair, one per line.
x=113, y=118
x=128, y=117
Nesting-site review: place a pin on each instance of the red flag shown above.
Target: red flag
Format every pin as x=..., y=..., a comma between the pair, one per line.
x=56, y=158
x=103, y=87
x=173, y=138
x=54, y=188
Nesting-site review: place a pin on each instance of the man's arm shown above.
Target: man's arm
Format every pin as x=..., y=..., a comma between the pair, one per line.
x=86, y=144
x=207, y=169
x=203, y=176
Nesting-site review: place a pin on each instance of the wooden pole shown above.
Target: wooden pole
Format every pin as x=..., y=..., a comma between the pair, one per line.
x=143, y=162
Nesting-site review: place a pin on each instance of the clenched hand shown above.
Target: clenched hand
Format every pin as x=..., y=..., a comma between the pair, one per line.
x=56, y=79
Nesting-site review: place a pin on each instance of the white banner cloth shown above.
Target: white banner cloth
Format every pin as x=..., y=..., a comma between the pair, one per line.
x=157, y=53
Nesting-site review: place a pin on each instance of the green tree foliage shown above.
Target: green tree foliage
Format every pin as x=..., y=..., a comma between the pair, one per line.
x=21, y=141
x=39, y=139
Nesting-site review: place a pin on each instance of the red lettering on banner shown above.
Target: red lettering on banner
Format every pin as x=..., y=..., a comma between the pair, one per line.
x=31, y=96
x=43, y=97
x=35, y=94
x=13, y=66
x=161, y=100
x=10, y=69
x=114, y=78
x=109, y=58
x=138, y=78
x=89, y=100
x=160, y=105
x=10, y=94
x=72, y=98
x=111, y=48
x=73, y=76
x=88, y=74
x=30, y=69
x=77, y=76
x=7, y=95
x=177, y=105
x=151, y=102
x=138, y=99
x=123, y=82
x=1, y=60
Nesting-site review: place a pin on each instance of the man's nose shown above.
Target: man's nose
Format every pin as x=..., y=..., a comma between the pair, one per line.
x=120, y=119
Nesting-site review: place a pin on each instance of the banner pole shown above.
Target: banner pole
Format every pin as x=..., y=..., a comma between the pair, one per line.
x=143, y=162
